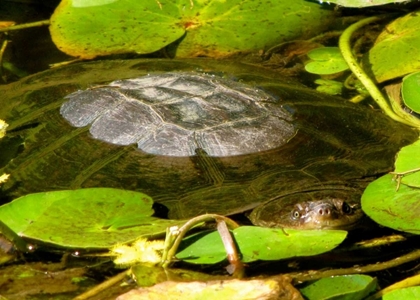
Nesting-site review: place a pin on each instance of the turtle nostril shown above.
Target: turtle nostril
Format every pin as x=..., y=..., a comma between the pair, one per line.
x=325, y=211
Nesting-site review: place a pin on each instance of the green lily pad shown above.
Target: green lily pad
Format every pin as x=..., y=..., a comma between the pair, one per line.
x=326, y=61
x=397, y=209
x=213, y=28
x=259, y=243
x=363, y=3
x=396, y=49
x=340, y=287
x=410, y=91
x=410, y=293
x=408, y=161
x=85, y=218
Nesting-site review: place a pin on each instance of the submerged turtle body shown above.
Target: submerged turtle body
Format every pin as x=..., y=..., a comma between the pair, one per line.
x=198, y=136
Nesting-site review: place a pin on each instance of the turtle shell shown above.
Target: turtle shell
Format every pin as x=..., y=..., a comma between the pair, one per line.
x=175, y=114
x=198, y=136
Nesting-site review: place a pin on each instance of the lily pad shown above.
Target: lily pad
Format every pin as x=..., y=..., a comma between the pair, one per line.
x=396, y=49
x=408, y=163
x=213, y=28
x=409, y=293
x=85, y=218
x=259, y=243
x=340, y=287
x=363, y=3
x=326, y=61
x=410, y=91
x=397, y=209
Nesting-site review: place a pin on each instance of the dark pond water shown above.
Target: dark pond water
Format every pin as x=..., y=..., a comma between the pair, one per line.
x=47, y=274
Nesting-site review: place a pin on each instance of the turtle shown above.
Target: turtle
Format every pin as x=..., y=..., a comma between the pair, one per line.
x=198, y=136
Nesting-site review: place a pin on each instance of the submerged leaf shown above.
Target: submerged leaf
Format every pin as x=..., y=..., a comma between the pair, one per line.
x=149, y=275
x=328, y=86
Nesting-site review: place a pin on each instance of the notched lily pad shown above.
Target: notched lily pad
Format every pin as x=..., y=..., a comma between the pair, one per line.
x=111, y=27
x=211, y=28
x=84, y=218
x=396, y=49
x=326, y=61
x=259, y=243
x=397, y=209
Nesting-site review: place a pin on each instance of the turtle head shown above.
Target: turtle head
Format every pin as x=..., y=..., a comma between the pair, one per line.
x=322, y=209
x=328, y=213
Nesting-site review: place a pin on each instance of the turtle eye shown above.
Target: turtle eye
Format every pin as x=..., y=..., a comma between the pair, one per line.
x=345, y=208
x=295, y=214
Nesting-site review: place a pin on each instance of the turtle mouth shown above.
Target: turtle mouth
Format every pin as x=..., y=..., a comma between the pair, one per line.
x=330, y=213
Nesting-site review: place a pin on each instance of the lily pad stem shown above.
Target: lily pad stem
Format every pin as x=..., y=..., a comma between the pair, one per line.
x=104, y=285
x=174, y=242
x=236, y=267
x=315, y=275
x=408, y=282
x=26, y=25
x=346, y=50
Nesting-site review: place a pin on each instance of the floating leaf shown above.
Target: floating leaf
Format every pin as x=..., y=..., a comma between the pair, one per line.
x=410, y=293
x=398, y=209
x=275, y=244
x=326, y=61
x=396, y=49
x=84, y=218
x=340, y=287
x=212, y=28
x=408, y=159
x=410, y=91
x=202, y=248
x=259, y=243
x=361, y=3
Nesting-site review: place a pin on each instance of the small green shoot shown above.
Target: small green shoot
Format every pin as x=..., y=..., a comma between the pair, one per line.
x=326, y=61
